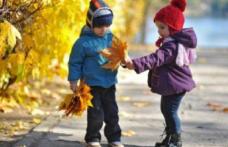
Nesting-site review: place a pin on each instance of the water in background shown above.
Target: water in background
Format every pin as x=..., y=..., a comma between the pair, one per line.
x=211, y=32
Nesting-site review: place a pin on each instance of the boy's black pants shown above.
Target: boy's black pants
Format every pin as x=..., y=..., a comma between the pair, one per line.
x=104, y=109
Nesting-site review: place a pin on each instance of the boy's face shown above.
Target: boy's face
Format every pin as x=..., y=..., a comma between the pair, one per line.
x=100, y=31
x=163, y=29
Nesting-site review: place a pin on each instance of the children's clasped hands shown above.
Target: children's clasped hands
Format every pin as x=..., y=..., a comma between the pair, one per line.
x=128, y=63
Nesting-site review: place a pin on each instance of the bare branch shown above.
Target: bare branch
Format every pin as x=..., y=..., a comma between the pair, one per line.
x=2, y=8
x=28, y=16
x=4, y=2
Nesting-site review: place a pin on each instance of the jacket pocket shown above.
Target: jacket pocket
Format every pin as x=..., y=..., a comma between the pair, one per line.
x=153, y=79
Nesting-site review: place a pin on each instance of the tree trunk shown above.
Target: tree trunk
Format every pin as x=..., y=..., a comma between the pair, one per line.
x=144, y=23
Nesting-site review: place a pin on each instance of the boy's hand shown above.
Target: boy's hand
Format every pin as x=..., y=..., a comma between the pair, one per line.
x=129, y=64
x=73, y=86
x=125, y=61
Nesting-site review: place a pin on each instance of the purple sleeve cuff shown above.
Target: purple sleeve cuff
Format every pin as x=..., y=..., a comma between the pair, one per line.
x=137, y=66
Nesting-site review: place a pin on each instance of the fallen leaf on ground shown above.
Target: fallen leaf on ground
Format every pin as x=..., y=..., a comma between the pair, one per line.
x=125, y=114
x=36, y=120
x=18, y=126
x=141, y=104
x=128, y=133
x=225, y=110
x=215, y=106
x=7, y=105
x=36, y=112
x=11, y=129
x=124, y=98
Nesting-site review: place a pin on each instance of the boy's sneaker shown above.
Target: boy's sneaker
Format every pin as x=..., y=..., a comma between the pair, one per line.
x=115, y=144
x=93, y=144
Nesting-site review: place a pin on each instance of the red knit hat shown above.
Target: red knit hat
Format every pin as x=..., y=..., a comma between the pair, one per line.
x=172, y=15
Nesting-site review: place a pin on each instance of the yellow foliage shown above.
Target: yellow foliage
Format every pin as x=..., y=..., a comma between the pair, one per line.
x=52, y=33
x=8, y=36
x=115, y=54
x=52, y=30
x=47, y=37
x=77, y=103
x=4, y=29
x=128, y=17
x=13, y=35
x=3, y=66
x=15, y=64
x=49, y=33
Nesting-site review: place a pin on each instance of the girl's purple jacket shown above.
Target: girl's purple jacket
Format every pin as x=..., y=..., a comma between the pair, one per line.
x=165, y=77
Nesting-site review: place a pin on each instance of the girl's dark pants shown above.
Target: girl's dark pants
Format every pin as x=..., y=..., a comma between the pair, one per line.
x=169, y=108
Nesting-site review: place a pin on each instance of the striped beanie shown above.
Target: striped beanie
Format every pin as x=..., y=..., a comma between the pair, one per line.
x=99, y=14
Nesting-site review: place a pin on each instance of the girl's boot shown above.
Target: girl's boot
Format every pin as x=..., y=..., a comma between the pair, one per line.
x=166, y=140
x=175, y=141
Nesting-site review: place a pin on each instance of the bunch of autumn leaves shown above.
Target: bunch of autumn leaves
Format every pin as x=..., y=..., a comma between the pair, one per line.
x=77, y=103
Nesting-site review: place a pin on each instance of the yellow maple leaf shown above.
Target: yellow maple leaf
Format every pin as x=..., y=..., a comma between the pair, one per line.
x=115, y=54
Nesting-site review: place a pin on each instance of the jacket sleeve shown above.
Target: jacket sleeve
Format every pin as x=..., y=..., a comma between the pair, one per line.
x=75, y=63
x=163, y=56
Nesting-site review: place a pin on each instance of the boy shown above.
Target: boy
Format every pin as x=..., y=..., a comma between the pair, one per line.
x=86, y=63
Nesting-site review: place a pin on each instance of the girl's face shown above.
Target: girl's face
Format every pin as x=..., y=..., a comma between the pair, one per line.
x=100, y=31
x=163, y=29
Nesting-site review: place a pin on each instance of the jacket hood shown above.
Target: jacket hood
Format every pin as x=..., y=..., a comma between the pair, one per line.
x=187, y=37
x=86, y=31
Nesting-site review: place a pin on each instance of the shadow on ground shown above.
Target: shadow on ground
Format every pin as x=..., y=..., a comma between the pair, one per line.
x=41, y=139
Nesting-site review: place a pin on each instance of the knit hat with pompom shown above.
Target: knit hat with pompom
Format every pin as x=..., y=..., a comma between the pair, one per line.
x=172, y=14
x=99, y=14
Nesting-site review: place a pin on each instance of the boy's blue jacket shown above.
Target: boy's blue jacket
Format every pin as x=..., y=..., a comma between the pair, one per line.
x=85, y=61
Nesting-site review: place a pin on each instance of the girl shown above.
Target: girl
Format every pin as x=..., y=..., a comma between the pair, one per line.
x=169, y=73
